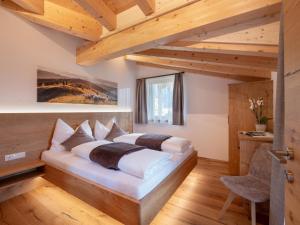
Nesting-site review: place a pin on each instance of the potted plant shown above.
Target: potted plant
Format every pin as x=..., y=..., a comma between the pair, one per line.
x=257, y=107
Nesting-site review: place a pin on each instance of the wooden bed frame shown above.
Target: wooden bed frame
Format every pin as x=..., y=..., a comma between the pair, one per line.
x=32, y=132
x=117, y=205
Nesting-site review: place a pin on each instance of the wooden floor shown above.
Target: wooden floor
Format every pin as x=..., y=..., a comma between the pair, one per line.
x=197, y=201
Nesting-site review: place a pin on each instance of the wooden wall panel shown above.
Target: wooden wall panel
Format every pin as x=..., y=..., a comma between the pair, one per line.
x=240, y=116
x=32, y=132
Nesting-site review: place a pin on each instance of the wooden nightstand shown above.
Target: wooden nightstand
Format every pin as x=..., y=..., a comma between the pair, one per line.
x=20, y=178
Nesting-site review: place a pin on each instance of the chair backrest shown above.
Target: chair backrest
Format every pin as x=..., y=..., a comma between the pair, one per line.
x=260, y=166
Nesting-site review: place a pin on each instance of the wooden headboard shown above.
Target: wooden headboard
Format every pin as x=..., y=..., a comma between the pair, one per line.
x=32, y=132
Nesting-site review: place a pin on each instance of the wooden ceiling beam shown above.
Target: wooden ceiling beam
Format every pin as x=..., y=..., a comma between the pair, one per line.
x=130, y=15
x=147, y=6
x=181, y=65
x=224, y=48
x=35, y=6
x=118, y=6
x=248, y=30
x=99, y=10
x=261, y=34
x=61, y=19
x=220, y=59
x=202, y=16
x=205, y=73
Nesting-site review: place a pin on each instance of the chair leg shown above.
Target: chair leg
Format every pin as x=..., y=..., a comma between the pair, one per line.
x=229, y=200
x=253, y=213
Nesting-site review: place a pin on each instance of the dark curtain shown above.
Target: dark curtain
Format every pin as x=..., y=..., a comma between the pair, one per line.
x=178, y=117
x=141, y=102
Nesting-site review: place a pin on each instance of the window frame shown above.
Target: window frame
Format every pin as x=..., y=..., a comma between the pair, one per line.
x=169, y=121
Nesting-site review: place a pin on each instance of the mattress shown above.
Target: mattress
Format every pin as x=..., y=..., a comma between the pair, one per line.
x=115, y=180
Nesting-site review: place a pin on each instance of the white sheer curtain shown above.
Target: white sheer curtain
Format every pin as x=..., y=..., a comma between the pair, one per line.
x=160, y=99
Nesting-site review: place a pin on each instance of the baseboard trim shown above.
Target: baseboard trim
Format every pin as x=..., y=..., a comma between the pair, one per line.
x=213, y=160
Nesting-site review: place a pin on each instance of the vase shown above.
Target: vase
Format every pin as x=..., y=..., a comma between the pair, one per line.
x=261, y=127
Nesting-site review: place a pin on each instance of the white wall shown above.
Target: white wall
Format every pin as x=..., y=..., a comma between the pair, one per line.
x=25, y=46
x=206, y=102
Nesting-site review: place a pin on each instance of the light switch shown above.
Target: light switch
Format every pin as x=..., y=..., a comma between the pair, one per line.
x=14, y=156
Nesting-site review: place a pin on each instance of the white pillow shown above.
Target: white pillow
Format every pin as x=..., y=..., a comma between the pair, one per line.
x=86, y=127
x=101, y=131
x=110, y=123
x=63, y=131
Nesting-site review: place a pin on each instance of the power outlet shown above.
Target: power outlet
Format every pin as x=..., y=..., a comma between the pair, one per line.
x=15, y=156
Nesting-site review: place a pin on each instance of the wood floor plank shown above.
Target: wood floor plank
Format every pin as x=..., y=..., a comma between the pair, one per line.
x=44, y=213
x=196, y=202
x=27, y=208
x=72, y=207
x=185, y=214
x=9, y=215
x=208, y=201
x=208, y=212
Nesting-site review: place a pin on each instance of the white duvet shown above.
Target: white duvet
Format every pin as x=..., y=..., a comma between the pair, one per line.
x=171, y=145
x=142, y=164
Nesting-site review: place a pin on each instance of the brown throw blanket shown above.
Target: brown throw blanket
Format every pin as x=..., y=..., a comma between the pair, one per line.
x=109, y=155
x=152, y=141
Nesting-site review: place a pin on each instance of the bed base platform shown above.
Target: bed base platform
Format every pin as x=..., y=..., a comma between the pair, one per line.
x=125, y=209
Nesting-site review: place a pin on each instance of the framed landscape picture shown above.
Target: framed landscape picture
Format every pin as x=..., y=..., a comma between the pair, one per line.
x=65, y=88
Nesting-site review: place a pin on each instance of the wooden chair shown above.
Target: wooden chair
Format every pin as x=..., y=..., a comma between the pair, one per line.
x=255, y=186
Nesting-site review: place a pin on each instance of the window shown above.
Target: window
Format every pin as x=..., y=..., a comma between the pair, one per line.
x=160, y=99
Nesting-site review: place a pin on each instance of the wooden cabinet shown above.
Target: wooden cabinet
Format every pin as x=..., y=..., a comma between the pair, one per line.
x=240, y=116
x=247, y=147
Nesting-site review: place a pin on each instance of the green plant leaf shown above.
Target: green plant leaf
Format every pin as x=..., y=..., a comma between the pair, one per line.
x=263, y=120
